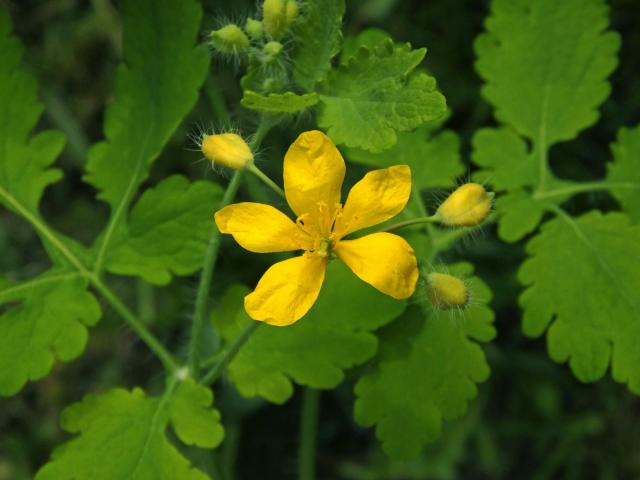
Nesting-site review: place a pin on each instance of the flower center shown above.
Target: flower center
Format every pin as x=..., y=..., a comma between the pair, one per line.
x=325, y=247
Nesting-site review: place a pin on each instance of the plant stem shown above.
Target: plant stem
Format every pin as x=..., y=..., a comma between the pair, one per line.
x=152, y=342
x=585, y=187
x=414, y=221
x=211, y=255
x=308, y=433
x=212, y=375
x=267, y=181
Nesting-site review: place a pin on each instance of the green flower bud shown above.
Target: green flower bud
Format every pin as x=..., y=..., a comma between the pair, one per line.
x=230, y=39
x=278, y=15
x=291, y=12
x=272, y=50
x=254, y=28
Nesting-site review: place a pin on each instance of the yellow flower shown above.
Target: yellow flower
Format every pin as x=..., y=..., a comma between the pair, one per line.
x=313, y=175
x=226, y=149
x=467, y=206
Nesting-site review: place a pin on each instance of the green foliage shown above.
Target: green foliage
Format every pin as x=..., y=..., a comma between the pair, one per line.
x=155, y=88
x=318, y=35
x=287, y=102
x=167, y=232
x=426, y=371
x=569, y=258
x=624, y=171
x=364, y=103
x=335, y=335
x=434, y=158
x=546, y=65
x=121, y=434
x=42, y=319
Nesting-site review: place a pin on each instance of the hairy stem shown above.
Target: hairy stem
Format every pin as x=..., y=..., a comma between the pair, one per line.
x=212, y=375
x=585, y=187
x=308, y=433
x=211, y=255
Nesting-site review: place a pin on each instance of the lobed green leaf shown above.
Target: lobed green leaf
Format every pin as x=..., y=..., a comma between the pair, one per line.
x=624, y=171
x=287, y=102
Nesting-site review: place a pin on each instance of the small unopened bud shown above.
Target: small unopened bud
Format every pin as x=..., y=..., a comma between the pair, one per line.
x=446, y=291
x=278, y=16
x=272, y=50
x=226, y=149
x=230, y=39
x=468, y=205
x=254, y=28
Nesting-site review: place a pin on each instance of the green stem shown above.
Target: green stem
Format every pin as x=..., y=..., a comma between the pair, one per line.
x=211, y=255
x=585, y=187
x=267, y=181
x=414, y=221
x=152, y=342
x=308, y=434
x=212, y=375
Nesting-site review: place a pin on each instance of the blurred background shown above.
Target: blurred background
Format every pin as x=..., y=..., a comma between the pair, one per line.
x=532, y=419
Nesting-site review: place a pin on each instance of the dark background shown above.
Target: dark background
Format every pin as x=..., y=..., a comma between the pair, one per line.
x=532, y=419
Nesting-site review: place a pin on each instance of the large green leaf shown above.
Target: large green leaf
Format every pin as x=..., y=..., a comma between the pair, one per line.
x=364, y=103
x=155, y=88
x=583, y=279
x=426, y=372
x=624, y=171
x=167, y=232
x=42, y=320
x=434, y=158
x=546, y=65
x=287, y=102
x=121, y=435
x=318, y=35
x=335, y=335
x=24, y=161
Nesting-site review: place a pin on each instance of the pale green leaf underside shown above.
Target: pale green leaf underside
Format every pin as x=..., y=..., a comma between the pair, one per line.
x=155, y=88
x=364, y=103
x=335, y=335
x=287, y=102
x=546, y=65
x=583, y=279
x=317, y=34
x=427, y=372
x=122, y=435
x=43, y=319
x=624, y=171
x=167, y=231
x=434, y=158
x=24, y=161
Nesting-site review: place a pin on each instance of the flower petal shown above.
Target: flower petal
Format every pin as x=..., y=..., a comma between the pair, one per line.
x=259, y=228
x=313, y=174
x=379, y=196
x=287, y=291
x=383, y=260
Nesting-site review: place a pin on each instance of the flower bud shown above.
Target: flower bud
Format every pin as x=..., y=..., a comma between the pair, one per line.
x=468, y=205
x=254, y=28
x=230, y=39
x=272, y=51
x=226, y=149
x=446, y=291
x=278, y=16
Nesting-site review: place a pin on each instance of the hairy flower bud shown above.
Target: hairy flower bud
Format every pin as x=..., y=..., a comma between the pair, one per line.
x=468, y=205
x=254, y=28
x=272, y=50
x=278, y=16
x=226, y=149
x=230, y=39
x=446, y=291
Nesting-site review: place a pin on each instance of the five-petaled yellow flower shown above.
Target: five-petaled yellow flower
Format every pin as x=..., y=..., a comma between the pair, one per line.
x=313, y=175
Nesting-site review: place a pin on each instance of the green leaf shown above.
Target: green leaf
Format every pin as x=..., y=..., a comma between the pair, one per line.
x=24, y=161
x=167, y=232
x=335, y=335
x=546, y=65
x=365, y=102
x=369, y=38
x=582, y=280
x=427, y=372
x=42, y=320
x=287, y=102
x=434, y=158
x=121, y=434
x=624, y=171
x=156, y=86
x=318, y=34
x=519, y=214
